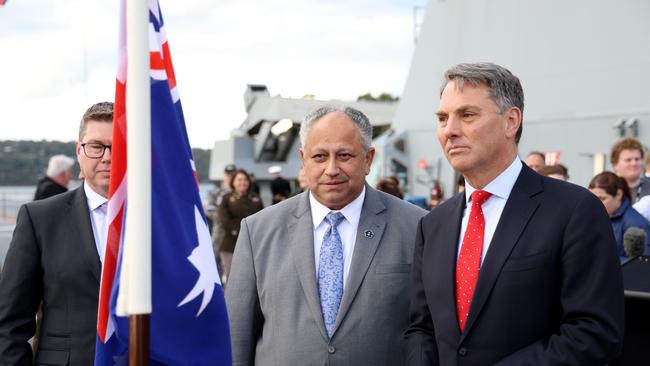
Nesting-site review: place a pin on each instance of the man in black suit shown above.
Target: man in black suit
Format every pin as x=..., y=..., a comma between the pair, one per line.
x=520, y=269
x=54, y=258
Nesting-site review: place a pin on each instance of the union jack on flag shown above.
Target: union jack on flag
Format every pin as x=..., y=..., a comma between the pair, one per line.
x=189, y=324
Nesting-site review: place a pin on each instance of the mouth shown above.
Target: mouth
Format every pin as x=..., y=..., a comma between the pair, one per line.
x=455, y=149
x=332, y=183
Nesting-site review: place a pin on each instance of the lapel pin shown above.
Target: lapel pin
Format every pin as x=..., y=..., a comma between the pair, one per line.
x=369, y=234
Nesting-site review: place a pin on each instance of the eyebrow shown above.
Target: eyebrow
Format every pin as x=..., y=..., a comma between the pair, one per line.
x=462, y=108
x=95, y=141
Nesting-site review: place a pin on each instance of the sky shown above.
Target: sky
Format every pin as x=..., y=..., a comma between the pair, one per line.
x=58, y=57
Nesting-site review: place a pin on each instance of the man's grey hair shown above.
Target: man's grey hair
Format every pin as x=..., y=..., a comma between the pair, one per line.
x=360, y=119
x=505, y=88
x=58, y=164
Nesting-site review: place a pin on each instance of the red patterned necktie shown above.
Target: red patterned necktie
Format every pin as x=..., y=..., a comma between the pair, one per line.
x=469, y=260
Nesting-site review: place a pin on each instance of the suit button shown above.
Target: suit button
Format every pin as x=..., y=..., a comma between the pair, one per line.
x=462, y=351
x=331, y=349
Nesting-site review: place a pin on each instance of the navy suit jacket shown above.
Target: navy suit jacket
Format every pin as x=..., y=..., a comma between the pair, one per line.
x=549, y=290
x=52, y=259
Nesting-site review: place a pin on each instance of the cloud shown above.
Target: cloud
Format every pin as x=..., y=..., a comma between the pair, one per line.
x=333, y=49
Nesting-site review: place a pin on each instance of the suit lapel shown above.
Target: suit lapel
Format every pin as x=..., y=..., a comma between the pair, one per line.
x=82, y=231
x=369, y=232
x=301, y=232
x=447, y=255
x=516, y=215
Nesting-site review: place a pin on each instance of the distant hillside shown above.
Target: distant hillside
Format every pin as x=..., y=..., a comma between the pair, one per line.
x=23, y=163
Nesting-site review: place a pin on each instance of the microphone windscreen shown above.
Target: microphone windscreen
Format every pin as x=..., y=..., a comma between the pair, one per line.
x=634, y=240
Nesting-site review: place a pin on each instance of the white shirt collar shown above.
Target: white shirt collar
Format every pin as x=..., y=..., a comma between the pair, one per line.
x=501, y=186
x=352, y=211
x=94, y=199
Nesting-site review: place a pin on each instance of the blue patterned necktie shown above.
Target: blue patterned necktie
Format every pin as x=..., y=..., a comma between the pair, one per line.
x=330, y=271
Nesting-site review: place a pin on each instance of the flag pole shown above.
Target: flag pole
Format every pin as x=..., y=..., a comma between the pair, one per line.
x=137, y=240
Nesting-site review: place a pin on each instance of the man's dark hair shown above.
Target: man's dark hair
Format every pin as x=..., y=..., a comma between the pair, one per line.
x=99, y=112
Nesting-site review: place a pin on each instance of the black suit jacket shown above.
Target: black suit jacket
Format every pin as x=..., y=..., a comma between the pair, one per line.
x=52, y=258
x=47, y=188
x=549, y=291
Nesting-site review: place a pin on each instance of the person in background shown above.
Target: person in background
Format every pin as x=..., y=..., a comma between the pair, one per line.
x=460, y=184
x=394, y=180
x=614, y=193
x=390, y=185
x=240, y=203
x=535, y=160
x=255, y=188
x=55, y=259
x=57, y=177
x=647, y=166
x=215, y=196
x=280, y=187
x=557, y=171
x=643, y=207
x=303, y=185
x=436, y=196
x=627, y=160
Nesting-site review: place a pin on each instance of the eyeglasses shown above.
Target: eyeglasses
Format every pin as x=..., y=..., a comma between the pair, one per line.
x=95, y=150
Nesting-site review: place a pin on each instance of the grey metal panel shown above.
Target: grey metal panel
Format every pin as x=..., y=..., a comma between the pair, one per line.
x=583, y=65
x=222, y=154
x=267, y=108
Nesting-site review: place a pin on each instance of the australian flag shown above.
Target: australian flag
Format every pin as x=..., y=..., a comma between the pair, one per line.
x=189, y=323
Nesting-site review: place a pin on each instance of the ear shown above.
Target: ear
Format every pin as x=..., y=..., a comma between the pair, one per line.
x=302, y=155
x=513, y=121
x=78, y=149
x=370, y=155
x=619, y=195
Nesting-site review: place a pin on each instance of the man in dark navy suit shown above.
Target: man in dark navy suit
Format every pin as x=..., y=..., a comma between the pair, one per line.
x=520, y=269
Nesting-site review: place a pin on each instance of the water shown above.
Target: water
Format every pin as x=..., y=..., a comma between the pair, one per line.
x=12, y=197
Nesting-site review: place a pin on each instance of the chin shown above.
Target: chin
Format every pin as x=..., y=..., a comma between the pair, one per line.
x=332, y=201
x=458, y=166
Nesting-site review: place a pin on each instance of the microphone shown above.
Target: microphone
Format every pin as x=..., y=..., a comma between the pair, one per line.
x=634, y=241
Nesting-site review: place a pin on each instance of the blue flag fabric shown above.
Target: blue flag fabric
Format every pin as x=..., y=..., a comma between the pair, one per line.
x=189, y=323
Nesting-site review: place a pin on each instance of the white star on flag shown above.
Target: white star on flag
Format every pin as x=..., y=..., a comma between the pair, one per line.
x=202, y=258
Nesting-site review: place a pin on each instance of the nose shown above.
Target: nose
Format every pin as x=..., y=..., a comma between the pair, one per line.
x=106, y=156
x=451, y=128
x=332, y=168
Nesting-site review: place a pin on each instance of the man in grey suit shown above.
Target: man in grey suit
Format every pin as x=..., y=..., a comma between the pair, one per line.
x=54, y=260
x=322, y=278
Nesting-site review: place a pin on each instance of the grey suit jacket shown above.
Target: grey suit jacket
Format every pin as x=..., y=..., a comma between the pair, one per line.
x=272, y=295
x=52, y=258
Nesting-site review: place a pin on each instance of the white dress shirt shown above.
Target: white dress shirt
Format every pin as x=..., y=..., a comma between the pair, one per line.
x=97, y=205
x=347, y=228
x=643, y=207
x=500, y=189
